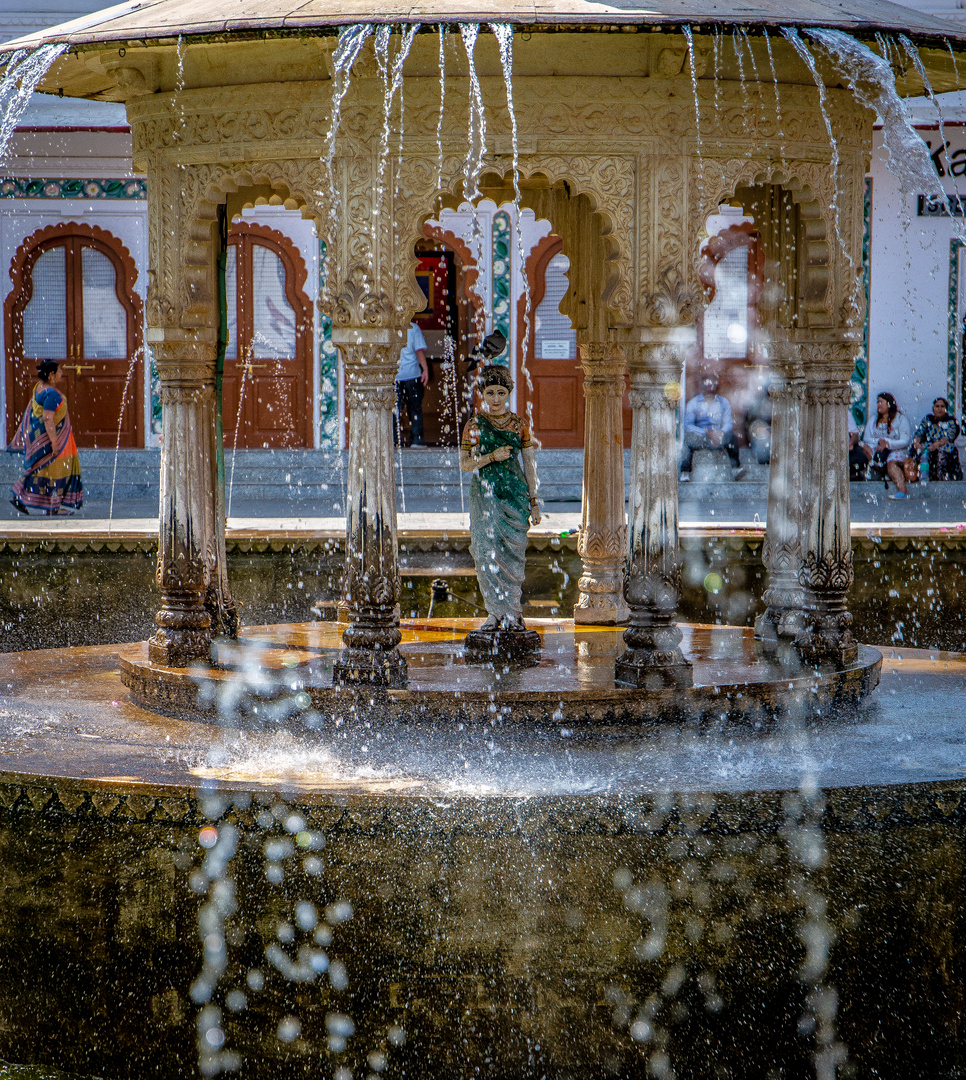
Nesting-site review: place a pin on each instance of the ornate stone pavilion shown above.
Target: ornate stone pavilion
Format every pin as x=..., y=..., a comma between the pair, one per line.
x=633, y=125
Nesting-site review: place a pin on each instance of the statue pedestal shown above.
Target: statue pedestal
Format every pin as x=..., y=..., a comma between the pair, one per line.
x=512, y=646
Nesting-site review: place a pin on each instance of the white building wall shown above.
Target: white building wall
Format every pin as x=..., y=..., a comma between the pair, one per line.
x=909, y=308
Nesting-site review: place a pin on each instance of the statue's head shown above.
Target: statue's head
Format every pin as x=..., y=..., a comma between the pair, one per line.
x=496, y=375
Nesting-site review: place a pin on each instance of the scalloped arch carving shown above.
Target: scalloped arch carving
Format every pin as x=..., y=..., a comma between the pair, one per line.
x=607, y=182
x=812, y=189
x=184, y=289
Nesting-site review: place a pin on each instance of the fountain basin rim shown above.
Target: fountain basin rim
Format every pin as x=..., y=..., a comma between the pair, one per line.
x=846, y=808
x=193, y=692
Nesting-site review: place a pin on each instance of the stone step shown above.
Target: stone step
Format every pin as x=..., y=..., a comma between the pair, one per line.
x=317, y=476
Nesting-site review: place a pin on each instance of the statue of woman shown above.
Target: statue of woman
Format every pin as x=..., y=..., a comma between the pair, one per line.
x=503, y=500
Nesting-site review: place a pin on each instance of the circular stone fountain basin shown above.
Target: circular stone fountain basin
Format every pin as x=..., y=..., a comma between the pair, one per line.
x=284, y=672
x=483, y=861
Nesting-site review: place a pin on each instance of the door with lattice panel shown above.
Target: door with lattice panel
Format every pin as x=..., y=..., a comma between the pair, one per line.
x=557, y=400
x=267, y=386
x=73, y=300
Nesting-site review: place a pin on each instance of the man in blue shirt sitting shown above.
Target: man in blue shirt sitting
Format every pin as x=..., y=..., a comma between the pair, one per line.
x=411, y=379
x=708, y=425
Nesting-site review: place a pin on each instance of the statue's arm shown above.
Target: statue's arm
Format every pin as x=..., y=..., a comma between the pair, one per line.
x=470, y=457
x=530, y=470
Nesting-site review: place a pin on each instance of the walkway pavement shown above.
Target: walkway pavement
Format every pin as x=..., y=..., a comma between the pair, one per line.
x=943, y=503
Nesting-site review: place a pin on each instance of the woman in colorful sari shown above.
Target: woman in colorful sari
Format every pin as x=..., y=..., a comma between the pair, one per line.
x=52, y=478
x=503, y=498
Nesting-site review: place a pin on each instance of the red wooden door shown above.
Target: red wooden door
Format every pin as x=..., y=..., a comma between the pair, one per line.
x=267, y=385
x=73, y=301
x=552, y=361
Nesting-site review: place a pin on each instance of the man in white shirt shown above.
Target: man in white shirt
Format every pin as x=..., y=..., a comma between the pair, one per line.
x=708, y=425
x=411, y=379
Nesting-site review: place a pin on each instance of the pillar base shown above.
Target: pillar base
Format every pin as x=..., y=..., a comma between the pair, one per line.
x=180, y=648
x=654, y=661
x=779, y=624
x=601, y=609
x=828, y=640
x=370, y=667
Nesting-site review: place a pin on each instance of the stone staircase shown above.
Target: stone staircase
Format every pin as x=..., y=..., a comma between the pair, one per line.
x=311, y=482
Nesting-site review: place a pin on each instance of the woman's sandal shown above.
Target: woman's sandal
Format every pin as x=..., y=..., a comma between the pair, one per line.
x=19, y=506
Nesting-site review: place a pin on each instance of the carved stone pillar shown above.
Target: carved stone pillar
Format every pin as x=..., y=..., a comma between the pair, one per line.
x=653, y=658
x=371, y=590
x=186, y=369
x=783, y=617
x=826, y=572
x=602, y=528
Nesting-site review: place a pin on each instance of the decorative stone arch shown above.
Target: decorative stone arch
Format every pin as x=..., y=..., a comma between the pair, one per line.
x=291, y=184
x=608, y=184
x=812, y=191
x=296, y=274
x=469, y=265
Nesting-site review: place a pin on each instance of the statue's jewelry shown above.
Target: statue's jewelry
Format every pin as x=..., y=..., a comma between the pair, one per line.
x=503, y=421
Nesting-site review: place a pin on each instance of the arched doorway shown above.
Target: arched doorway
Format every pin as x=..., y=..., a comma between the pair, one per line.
x=267, y=385
x=551, y=352
x=730, y=341
x=73, y=300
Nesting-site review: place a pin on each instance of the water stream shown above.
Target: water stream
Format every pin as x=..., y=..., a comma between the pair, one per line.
x=699, y=147
x=873, y=83
x=778, y=103
x=503, y=32
x=132, y=365
x=23, y=72
x=439, y=121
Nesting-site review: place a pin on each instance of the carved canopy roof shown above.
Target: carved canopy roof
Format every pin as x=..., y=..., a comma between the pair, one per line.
x=140, y=21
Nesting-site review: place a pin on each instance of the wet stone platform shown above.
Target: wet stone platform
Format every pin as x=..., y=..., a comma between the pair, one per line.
x=282, y=676
x=65, y=714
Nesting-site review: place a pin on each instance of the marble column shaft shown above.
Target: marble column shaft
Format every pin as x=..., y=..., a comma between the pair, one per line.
x=602, y=540
x=186, y=555
x=653, y=658
x=371, y=588
x=826, y=572
x=784, y=597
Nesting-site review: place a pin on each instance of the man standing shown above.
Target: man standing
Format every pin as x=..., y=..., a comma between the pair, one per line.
x=708, y=425
x=411, y=379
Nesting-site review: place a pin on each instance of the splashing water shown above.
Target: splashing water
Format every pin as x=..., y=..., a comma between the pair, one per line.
x=745, y=102
x=351, y=41
x=873, y=83
x=405, y=45
x=138, y=355
x=791, y=35
x=23, y=72
x=913, y=54
x=451, y=395
x=503, y=32
x=442, y=105
x=476, y=133
x=778, y=103
x=689, y=37
x=476, y=137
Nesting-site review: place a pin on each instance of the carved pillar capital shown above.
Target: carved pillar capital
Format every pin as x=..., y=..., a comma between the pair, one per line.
x=183, y=359
x=602, y=530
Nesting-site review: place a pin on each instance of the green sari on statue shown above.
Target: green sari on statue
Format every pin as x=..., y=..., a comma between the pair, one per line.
x=499, y=513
